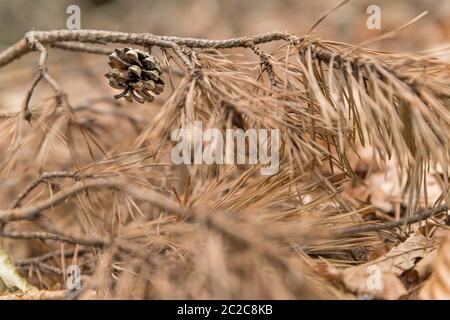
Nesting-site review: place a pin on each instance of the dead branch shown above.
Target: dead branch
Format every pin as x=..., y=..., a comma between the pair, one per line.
x=83, y=47
x=101, y=50
x=46, y=176
x=48, y=256
x=393, y=224
x=142, y=39
x=45, y=267
x=85, y=241
x=266, y=65
x=33, y=212
x=42, y=74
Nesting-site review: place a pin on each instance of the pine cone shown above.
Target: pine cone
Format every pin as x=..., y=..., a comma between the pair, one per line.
x=137, y=73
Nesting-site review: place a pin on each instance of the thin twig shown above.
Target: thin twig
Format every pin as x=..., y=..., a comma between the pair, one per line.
x=26, y=103
x=48, y=256
x=42, y=74
x=393, y=224
x=43, y=178
x=33, y=212
x=266, y=65
x=28, y=235
x=45, y=267
x=84, y=47
x=100, y=50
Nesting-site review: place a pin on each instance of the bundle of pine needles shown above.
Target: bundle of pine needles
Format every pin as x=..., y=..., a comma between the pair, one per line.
x=81, y=191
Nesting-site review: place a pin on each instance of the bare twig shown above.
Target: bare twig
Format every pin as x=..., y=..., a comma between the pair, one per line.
x=84, y=47
x=101, y=50
x=48, y=256
x=43, y=178
x=42, y=74
x=25, y=108
x=28, y=235
x=266, y=65
x=393, y=224
x=45, y=267
x=34, y=211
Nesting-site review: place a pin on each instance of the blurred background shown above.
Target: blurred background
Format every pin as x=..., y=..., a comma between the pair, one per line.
x=221, y=19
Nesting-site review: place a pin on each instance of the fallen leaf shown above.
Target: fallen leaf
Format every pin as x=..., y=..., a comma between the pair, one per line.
x=379, y=278
x=404, y=256
x=373, y=283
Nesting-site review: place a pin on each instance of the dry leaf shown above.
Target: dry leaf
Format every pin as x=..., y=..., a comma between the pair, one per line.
x=368, y=282
x=438, y=287
x=378, y=278
x=403, y=257
x=371, y=282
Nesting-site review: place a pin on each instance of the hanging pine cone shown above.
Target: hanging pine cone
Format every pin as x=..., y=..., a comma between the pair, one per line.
x=137, y=73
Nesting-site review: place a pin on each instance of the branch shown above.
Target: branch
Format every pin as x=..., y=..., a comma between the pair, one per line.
x=34, y=43
x=43, y=178
x=47, y=268
x=34, y=211
x=266, y=65
x=393, y=224
x=143, y=39
x=84, y=47
x=31, y=213
x=91, y=242
x=48, y=256
x=100, y=50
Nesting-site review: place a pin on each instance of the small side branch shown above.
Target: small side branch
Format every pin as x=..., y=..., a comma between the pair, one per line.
x=42, y=74
x=26, y=103
x=43, y=178
x=266, y=65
